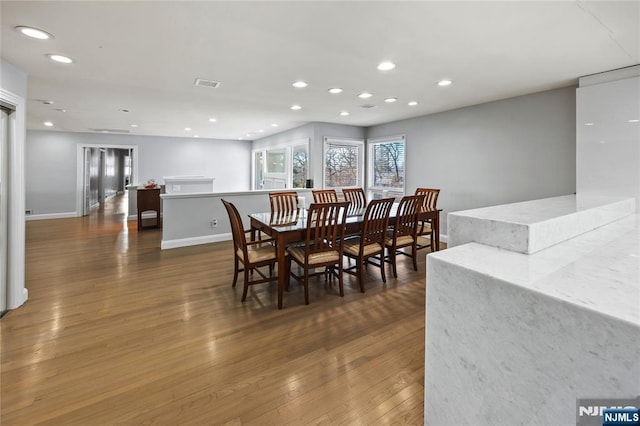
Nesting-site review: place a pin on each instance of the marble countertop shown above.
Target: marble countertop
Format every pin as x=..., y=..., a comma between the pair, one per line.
x=599, y=270
x=530, y=212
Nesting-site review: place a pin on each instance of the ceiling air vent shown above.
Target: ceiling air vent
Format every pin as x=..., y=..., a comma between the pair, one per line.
x=206, y=83
x=367, y=106
x=110, y=130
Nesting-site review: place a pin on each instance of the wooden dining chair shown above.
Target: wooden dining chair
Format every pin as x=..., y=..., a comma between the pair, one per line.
x=425, y=226
x=371, y=242
x=323, y=245
x=325, y=196
x=404, y=231
x=284, y=203
x=356, y=196
x=251, y=254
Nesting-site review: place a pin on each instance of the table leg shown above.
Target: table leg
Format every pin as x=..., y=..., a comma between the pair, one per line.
x=282, y=267
x=436, y=227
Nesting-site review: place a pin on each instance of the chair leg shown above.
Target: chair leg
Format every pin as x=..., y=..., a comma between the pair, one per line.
x=414, y=253
x=235, y=271
x=392, y=257
x=359, y=267
x=384, y=277
x=287, y=273
x=340, y=283
x=306, y=285
x=246, y=283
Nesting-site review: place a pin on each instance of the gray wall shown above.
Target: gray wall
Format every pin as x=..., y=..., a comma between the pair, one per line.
x=12, y=79
x=315, y=132
x=51, y=158
x=511, y=150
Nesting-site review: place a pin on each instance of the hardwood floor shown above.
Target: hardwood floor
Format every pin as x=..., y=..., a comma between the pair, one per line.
x=118, y=331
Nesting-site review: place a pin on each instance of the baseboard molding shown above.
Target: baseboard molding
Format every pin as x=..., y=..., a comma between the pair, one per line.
x=194, y=241
x=51, y=216
x=444, y=238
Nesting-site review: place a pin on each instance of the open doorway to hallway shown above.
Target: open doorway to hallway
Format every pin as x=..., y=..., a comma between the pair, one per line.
x=105, y=172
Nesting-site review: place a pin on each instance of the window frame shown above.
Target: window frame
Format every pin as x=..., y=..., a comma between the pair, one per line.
x=287, y=176
x=360, y=144
x=371, y=143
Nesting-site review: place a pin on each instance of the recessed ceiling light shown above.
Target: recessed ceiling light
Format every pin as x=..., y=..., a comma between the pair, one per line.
x=296, y=107
x=299, y=84
x=61, y=110
x=248, y=134
x=48, y=123
x=47, y=102
x=134, y=125
x=634, y=120
x=344, y=112
x=196, y=136
x=443, y=83
x=588, y=124
x=188, y=129
x=261, y=131
x=212, y=120
x=335, y=90
x=240, y=138
x=60, y=58
x=386, y=66
x=34, y=33
x=124, y=110
x=274, y=125
x=412, y=103
x=365, y=95
x=389, y=100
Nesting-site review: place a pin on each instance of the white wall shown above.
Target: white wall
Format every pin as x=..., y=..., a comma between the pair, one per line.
x=608, y=150
x=500, y=152
x=52, y=170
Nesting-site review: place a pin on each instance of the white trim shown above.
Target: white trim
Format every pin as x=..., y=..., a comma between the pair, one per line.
x=50, y=216
x=444, y=238
x=16, y=292
x=193, y=241
x=80, y=168
x=384, y=139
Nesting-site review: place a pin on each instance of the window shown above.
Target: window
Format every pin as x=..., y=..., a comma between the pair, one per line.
x=343, y=163
x=280, y=167
x=387, y=167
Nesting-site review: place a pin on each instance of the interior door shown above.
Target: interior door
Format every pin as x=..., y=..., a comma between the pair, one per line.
x=4, y=173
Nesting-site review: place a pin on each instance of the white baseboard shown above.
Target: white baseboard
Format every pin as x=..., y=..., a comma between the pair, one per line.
x=51, y=216
x=444, y=238
x=193, y=241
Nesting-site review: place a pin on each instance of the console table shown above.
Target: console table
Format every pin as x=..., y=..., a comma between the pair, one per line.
x=148, y=200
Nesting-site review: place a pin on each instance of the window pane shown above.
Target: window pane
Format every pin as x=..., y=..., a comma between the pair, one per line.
x=341, y=165
x=276, y=161
x=300, y=166
x=387, y=169
x=258, y=170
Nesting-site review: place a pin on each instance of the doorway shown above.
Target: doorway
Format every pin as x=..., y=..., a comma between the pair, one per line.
x=103, y=172
x=4, y=189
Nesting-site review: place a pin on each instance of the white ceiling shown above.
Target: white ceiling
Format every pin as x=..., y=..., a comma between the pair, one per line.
x=144, y=56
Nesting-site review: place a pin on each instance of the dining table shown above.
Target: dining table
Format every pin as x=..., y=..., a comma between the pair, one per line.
x=291, y=228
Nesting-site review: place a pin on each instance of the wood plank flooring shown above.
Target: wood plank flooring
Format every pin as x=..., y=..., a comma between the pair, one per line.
x=117, y=331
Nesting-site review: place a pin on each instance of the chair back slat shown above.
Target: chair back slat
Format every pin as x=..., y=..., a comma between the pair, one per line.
x=357, y=197
x=325, y=196
x=284, y=203
x=376, y=221
x=325, y=227
x=430, y=197
x=407, y=215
